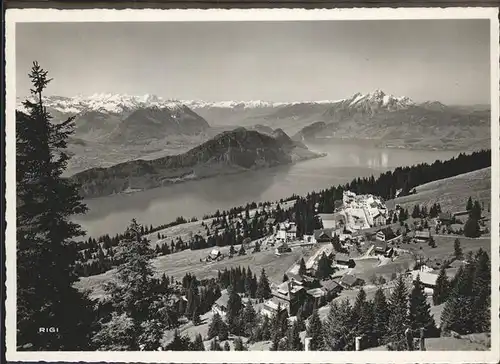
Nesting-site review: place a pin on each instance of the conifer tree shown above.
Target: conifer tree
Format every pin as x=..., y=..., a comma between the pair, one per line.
x=215, y=326
x=214, y=345
x=469, y=204
x=179, y=343
x=338, y=334
x=481, y=310
x=476, y=211
x=249, y=319
x=472, y=228
x=285, y=277
x=420, y=311
x=381, y=315
x=263, y=288
x=302, y=267
x=198, y=343
x=238, y=345
x=293, y=335
x=358, y=306
x=440, y=293
x=227, y=347
x=398, y=317
x=46, y=254
x=315, y=332
x=457, y=249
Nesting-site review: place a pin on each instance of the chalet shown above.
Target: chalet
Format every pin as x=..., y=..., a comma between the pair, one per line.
x=214, y=254
x=290, y=295
x=457, y=264
x=329, y=221
x=422, y=236
x=270, y=308
x=323, y=235
x=344, y=261
x=331, y=288
x=220, y=306
x=287, y=231
x=349, y=281
x=308, y=239
x=380, y=247
x=427, y=279
x=385, y=234
x=445, y=218
x=310, y=282
x=379, y=219
x=461, y=214
x=282, y=248
x=317, y=296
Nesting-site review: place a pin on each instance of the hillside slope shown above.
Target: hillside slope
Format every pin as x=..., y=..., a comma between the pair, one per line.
x=451, y=193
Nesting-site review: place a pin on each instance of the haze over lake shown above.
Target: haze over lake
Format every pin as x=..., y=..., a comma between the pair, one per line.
x=344, y=161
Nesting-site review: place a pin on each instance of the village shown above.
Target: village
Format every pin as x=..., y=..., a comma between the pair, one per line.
x=364, y=244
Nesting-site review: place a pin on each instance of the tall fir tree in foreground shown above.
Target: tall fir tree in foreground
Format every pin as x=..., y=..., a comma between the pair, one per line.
x=380, y=316
x=467, y=309
x=398, y=317
x=338, y=333
x=420, y=311
x=441, y=291
x=315, y=332
x=46, y=251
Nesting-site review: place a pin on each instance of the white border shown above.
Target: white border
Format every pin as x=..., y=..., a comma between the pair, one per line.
x=14, y=16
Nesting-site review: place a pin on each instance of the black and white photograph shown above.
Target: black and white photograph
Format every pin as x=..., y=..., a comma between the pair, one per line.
x=216, y=183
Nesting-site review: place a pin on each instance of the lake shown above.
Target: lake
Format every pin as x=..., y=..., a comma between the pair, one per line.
x=344, y=161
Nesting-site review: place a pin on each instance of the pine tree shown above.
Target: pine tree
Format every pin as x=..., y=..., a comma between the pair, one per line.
x=476, y=211
x=469, y=204
x=249, y=319
x=179, y=343
x=132, y=290
x=46, y=203
x=198, y=344
x=338, y=334
x=227, y=347
x=472, y=228
x=398, y=318
x=238, y=345
x=324, y=267
x=420, y=311
x=302, y=267
x=215, y=326
x=442, y=288
x=458, y=250
x=481, y=310
x=285, y=277
x=214, y=345
x=293, y=335
x=117, y=334
x=381, y=315
x=315, y=332
x=358, y=306
x=263, y=288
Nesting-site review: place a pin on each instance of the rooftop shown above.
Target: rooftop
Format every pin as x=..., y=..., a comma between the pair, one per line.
x=349, y=279
x=316, y=292
x=425, y=277
x=422, y=234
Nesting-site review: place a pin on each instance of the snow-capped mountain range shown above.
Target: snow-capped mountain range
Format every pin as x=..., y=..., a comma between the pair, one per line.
x=110, y=103
x=118, y=103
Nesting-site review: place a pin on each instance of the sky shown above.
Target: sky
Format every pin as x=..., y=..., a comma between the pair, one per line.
x=442, y=60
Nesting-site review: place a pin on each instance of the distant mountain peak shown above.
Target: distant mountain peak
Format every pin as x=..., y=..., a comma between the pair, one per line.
x=105, y=102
